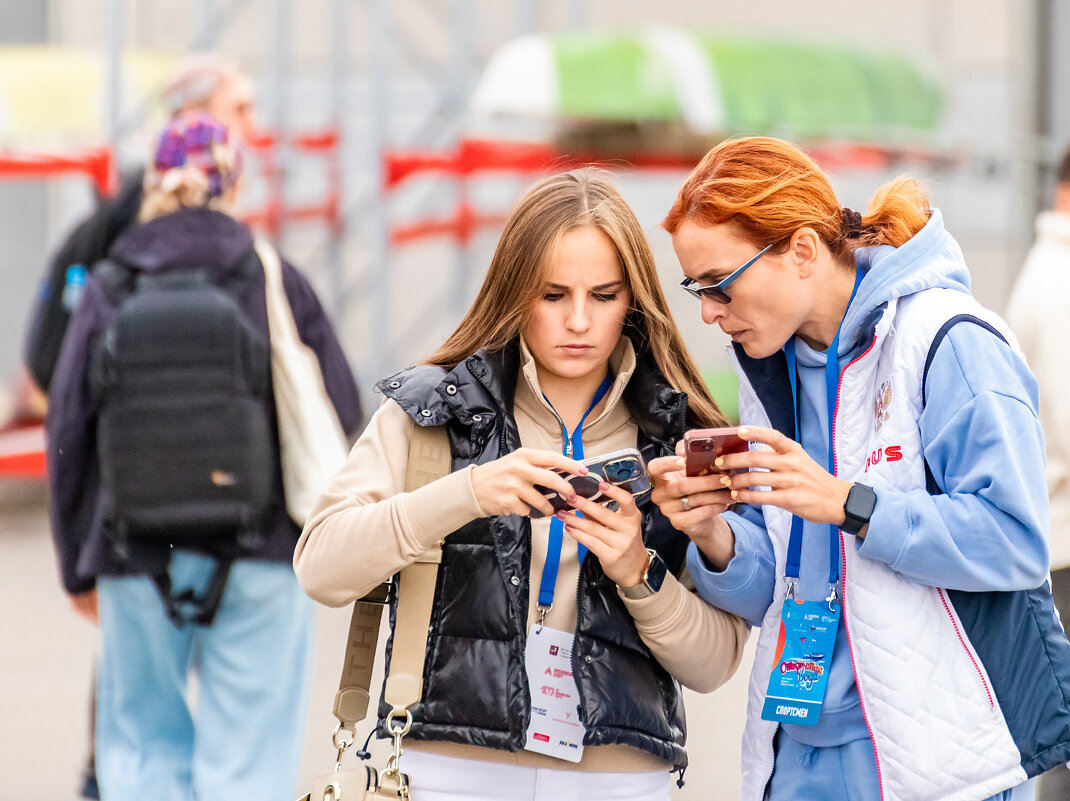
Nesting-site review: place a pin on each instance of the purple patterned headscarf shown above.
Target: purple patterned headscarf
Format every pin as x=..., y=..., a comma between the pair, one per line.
x=197, y=139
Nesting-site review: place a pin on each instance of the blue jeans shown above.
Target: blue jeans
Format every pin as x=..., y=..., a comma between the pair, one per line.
x=835, y=773
x=243, y=738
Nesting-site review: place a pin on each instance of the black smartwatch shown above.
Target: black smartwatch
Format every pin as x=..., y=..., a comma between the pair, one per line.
x=653, y=578
x=858, y=508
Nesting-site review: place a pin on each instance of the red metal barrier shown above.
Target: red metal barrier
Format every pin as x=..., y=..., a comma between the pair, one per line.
x=22, y=452
x=94, y=162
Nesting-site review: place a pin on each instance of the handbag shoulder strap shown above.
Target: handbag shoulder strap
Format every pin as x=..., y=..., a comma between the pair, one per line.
x=429, y=459
x=281, y=323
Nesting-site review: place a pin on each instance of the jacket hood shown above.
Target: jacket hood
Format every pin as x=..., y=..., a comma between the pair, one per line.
x=931, y=258
x=199, y=239
x=433, y=396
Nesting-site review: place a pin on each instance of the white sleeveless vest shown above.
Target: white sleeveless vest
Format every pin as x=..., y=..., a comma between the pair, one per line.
x=937, y=728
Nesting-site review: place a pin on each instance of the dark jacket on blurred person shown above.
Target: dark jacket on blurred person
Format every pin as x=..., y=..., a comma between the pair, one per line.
x=86, y=245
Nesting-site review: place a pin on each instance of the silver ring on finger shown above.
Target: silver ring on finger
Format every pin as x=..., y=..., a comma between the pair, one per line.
x=685, y=502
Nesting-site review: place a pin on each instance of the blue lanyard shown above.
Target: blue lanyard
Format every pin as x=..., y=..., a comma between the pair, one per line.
x=573, y=442
x=832, y=391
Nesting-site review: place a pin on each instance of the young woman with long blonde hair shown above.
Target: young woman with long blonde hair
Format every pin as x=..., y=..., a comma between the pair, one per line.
x=568, y=351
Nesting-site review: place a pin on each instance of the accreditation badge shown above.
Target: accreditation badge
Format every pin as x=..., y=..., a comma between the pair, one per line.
x=555, y=728
x=801, y=665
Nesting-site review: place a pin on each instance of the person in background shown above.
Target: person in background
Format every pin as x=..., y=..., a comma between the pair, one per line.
x=252, y=661
x=568, y=351
x=1039, y=314
x=890, y=533
x=199, y=82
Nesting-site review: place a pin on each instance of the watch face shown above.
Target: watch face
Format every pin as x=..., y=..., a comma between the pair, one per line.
x=858, y=508
x=655, y=574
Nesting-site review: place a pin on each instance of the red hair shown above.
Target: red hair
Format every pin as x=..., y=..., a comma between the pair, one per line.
x=770, y=189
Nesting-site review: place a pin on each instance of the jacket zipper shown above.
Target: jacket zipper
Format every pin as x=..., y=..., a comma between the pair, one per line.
x=962, y=641
x=564, y=431
x=854, y=666
x=610, y=402
x=730, y=351
x=519, y=742
x=581, y=708
x=843, y=576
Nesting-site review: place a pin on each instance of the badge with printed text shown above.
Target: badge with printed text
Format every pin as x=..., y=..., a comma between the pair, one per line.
x=555, y=728
x=801, y=664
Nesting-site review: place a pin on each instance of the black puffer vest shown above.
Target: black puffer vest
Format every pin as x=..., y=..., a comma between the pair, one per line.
x=475, y=688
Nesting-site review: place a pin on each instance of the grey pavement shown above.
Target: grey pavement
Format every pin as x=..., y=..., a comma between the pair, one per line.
x=46, y=661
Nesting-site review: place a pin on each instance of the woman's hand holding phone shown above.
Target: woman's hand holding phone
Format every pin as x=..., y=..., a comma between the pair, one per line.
x=795, y=482
x=615, y=537
x=506, y=486
x=693, y=505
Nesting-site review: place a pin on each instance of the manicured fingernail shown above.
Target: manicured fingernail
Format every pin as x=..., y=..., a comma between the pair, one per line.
x=560, y=515
x=584, y=470
x=726, y=481
x=734, y=494
x=719, y=461
x=742, y=432
x=571, y=499
x=603, y=486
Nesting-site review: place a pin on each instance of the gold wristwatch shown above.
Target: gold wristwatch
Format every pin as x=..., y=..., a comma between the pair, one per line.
x=653, y=578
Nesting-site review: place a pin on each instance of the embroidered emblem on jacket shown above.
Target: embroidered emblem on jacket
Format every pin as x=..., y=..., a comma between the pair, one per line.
x=881, y=405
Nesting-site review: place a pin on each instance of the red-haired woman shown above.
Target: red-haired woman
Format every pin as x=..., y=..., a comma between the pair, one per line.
x=895, y=493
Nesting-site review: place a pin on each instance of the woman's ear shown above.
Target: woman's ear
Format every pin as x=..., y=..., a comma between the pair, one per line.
x=805, y=250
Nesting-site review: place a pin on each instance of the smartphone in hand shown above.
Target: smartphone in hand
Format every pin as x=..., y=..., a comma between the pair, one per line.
x=702, y=447
x=624, y=468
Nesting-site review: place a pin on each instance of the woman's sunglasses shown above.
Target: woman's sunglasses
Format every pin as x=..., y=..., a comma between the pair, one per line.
x=717, y=291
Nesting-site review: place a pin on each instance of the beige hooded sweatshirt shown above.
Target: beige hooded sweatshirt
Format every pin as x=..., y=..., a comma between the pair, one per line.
x=1039, y=314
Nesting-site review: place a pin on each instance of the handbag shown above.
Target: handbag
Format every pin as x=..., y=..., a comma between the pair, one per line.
x=312, y=444
x=429, y=459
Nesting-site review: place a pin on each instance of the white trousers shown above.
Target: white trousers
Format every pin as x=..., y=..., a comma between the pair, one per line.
x=442, y=778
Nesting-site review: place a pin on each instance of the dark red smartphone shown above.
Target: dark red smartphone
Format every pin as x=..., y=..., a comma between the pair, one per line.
x=702, y=446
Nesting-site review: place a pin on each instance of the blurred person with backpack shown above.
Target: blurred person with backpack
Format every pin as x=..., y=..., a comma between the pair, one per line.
x=1039, y=313
x=199, y=82
x=167, y=509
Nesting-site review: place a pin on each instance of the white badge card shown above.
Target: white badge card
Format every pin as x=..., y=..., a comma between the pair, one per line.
x=555, y=728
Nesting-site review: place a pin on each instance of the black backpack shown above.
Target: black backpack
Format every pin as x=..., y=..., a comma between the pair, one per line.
x=87, y=245
x=186, y=444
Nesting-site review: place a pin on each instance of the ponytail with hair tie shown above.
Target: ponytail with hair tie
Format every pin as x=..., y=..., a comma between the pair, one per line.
x=770, y=188
x=850, y=224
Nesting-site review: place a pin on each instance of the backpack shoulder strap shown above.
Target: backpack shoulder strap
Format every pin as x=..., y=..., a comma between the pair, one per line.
x=117, y=280
x=930, y=480
x=942, y=333
x=241, y=276
x=429, y=459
